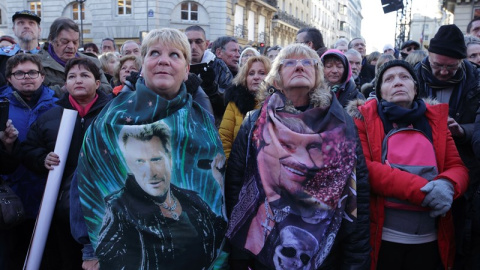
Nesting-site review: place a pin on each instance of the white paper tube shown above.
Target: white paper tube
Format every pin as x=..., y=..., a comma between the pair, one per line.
x=47, y=207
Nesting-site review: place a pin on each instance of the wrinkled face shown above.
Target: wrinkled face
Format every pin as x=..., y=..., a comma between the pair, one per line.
x=272, y=54
x=475, y=30
x=292, y=159
x=198, y=45
x=131, y=48
x=27, y=85
x=356, y=64
x=150, y=164
x=107, y=46
x=398, y=86
x=333, y=70
x=66, y=44
x=299, y=78
x=255, y=76
x=296, y=250
x=164, y=69
x=26, y=29
x=360, y=46
x=473, y=53
x=230, y=55
x=81, y=84
x=443, y=67
x=127, y=67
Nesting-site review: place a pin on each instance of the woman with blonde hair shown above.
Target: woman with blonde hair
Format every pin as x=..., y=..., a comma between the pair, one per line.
x=240, y=98
x=296, y=176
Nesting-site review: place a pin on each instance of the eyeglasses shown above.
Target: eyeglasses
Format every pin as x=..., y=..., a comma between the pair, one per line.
x=20, y=75
x=308, y=62
x=446, y=67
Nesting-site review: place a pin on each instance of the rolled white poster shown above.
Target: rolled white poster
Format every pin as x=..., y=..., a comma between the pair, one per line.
x=47, y=207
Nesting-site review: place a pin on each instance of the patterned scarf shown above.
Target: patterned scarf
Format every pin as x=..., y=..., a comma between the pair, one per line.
x=298, y=188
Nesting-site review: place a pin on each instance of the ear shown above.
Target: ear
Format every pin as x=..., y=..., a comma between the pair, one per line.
x=207, y=42
x=187, y=70
x=97, y=83
x=218, y=52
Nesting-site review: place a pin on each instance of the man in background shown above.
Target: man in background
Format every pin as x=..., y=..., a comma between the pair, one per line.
x=312, y=37
x=108, y=45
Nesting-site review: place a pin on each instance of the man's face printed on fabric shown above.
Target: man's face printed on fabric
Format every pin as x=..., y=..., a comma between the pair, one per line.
x=150, y=163
x=291, y=158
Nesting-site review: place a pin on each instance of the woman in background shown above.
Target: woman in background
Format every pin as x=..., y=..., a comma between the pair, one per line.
x=240, y=98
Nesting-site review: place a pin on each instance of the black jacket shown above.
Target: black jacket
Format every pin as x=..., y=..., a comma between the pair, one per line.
x=349, y=93
x=243, y=99
x=464, y=114
x=351, y=248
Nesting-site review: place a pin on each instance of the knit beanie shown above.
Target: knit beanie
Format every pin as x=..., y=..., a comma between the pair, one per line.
x=449, y=41
x=390, y=64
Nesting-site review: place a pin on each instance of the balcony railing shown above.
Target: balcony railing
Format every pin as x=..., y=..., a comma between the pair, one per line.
x=240, y=31
x=272, y=3
x=283, y=16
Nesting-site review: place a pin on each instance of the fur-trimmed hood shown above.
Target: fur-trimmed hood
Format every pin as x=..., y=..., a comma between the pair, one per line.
x=353, y=111
x=319, y=97
x=243, y=99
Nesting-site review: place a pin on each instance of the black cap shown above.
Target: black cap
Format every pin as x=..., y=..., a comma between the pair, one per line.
x=27, y=14
x=449, y=41
x=390, y=64
x=410, y=43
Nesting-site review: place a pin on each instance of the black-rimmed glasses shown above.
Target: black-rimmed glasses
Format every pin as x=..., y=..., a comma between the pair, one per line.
x=20, y=75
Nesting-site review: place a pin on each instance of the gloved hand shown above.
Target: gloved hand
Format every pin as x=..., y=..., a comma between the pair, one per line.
x=439, y=196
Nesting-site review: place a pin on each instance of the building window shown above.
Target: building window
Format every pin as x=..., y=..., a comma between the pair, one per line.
x=425, y=38
x=189, y=11
x=124, y=7
x=77, y=12
x=36, y=7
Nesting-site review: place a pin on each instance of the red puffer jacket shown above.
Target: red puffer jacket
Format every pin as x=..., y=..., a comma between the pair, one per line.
x=386, y=181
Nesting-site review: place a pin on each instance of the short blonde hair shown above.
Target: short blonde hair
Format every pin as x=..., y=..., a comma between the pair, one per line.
x=241, y=78
x=167, y=36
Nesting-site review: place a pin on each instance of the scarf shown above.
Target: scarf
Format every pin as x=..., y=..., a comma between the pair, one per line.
x=194, y=142
x=299, y=183
x=82, y=110
x=55, y=56
x=457, y=82
x=390, y=113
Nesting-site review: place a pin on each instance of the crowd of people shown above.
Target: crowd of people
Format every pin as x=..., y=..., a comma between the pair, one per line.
x=191, y=154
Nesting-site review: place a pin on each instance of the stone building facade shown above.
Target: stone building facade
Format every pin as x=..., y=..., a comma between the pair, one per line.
x=255, y=22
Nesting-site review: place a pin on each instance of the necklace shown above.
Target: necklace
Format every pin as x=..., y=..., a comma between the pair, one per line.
x=278, y=216
x=170, y=209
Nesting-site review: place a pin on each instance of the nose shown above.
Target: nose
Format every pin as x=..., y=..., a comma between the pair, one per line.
x=303, y=157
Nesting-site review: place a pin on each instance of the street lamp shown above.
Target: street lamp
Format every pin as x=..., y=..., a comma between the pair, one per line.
x=81, y=19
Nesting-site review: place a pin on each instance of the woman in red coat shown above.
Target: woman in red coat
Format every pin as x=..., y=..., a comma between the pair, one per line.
x=411, y=223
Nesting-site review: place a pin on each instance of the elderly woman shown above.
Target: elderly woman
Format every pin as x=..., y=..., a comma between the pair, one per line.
x=82, y=81
x=296, y=186
x=150, y=174
x=338, y=76
x=415, y=173
x=240, y=98
x=109, y=63
x=127, y=64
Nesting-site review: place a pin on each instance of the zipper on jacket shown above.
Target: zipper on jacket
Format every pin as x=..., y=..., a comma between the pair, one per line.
x=82, y=122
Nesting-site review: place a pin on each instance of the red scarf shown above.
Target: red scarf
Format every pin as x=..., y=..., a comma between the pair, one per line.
x=82, y=110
